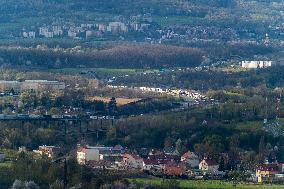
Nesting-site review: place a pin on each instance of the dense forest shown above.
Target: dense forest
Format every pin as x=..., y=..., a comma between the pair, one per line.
x=126, y=56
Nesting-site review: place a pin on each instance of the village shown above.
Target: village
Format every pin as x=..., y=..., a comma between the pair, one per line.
x=164, y=163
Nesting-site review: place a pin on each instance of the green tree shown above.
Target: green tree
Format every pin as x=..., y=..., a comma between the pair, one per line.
x=112, y=106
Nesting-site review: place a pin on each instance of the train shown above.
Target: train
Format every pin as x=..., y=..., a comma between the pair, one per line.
x=59, y=116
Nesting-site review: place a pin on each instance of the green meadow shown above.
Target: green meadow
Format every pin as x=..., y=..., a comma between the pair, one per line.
x=202, y=184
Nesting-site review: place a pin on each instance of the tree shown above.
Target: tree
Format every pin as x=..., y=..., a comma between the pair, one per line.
x=180, y=147
x=112, y=106
x=261, y=149
x=45, y=101
x=212, y=146
x=222, y=164
x=169, y=142
x=234, y=152
x=18, y=184
x=57, y=185
x=99, y=106
x=111, y=135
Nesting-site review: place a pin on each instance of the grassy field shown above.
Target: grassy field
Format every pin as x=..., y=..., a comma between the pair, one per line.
x=100, y=70
x=109, y=72
x=201, y=184
x=6, y=164
x=120, y=101
x=249, y=125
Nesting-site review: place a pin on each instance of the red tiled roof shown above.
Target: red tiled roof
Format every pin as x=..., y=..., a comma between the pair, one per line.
x=150, y=162
x=81, y=149
x=164, y=161
x=267, y=167
x=187, y=154
x=210, y=162
x=136, y=157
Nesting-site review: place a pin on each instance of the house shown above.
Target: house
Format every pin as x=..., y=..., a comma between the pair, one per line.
x=132, y=161
x=49, y=151
x=191, y=159
x=95, y=153
x=208, y=165
x=86, y=154
x=156, y=154
x=163, y=163
x=171, y=153
x=281, y=166
x=266, y=172
x=114, y=158
x=22, y=149
x=149, y=164
x=101, y=165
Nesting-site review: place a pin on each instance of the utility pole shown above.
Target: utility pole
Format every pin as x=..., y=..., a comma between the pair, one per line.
x=65, y=174
x=65, y=170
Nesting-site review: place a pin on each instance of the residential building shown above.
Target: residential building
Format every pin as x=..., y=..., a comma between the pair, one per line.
x=57, y=30
x=72, y=34
x=190, y=159
x=97, y=153
x=49, y=151
x=266, y=172
x=256, y=64
x=208, y=165
x=156, y=154
x=101, y=27
x=115, y=158
x=132, y=161
x=22, y=149
x=86, y=154
x=29, y=34
x=117, y=27
x=43, y=31
x=149, y=164
x=171, y=151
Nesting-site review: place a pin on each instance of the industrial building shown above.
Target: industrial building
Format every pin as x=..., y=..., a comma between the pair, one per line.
x=30, y=85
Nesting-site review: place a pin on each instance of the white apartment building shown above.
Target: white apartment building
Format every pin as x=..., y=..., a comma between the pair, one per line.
x=256, y=64
x=94, y=153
